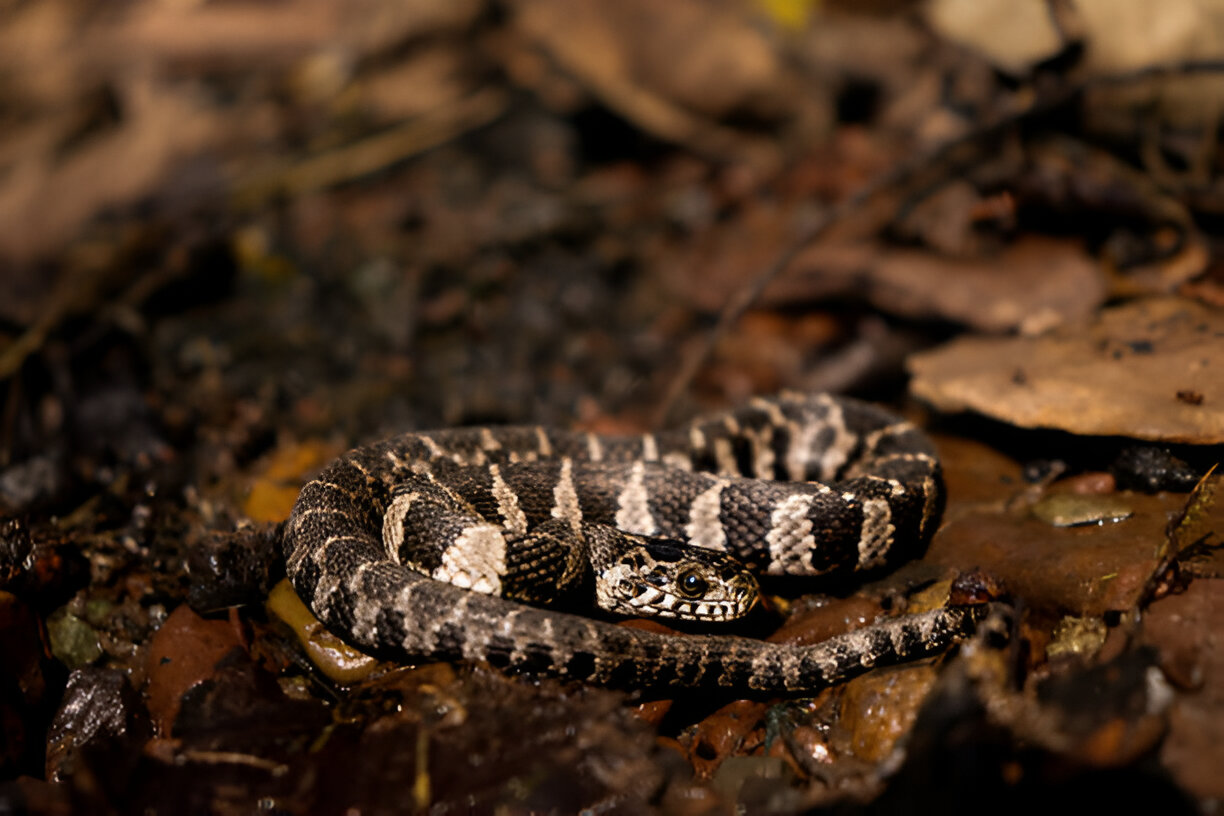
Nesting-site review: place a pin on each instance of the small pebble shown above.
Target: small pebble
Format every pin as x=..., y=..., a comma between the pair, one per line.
x=73, y=641
x=1073, y=510
x=1077, y=636
x=1090, y=484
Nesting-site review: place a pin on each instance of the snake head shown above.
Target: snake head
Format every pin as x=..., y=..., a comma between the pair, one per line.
x=662, y=578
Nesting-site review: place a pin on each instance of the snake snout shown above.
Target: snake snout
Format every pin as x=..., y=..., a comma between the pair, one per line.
x=672, y=581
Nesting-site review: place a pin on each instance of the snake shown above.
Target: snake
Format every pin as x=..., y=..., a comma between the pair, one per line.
x=515, y=545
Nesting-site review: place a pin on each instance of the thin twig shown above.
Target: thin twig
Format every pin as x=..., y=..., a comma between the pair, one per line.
x=1183, y=540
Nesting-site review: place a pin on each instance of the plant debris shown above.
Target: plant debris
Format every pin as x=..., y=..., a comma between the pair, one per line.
x=240, y=238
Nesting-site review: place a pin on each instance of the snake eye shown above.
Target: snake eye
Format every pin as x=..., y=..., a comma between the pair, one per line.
x=692, y=585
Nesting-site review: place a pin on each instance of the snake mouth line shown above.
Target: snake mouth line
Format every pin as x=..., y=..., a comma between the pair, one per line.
x=715, y=611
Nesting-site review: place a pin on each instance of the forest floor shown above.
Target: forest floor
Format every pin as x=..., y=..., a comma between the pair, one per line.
x=240, y=238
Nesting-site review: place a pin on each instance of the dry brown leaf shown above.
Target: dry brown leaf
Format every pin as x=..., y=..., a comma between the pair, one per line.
x=1012, y=34
x=1150, y=369
x=154, y=60
x=1031, y=284
x=671, y=68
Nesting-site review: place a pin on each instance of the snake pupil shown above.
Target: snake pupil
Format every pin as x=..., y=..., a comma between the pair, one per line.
x=692, y=584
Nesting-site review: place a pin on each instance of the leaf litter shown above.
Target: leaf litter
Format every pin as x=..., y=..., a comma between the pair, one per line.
x=240, y=238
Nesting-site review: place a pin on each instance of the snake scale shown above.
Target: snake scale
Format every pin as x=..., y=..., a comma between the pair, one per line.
x=406, y=547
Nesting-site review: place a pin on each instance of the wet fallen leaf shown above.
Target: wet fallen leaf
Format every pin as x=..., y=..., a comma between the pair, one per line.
x=273, y=494
x=331, y=655
x=879, y=708
x=1186, y=628
x=182, y=653
x=1084, y=571
x=723, y=734
x=817, y=623
x=100, y=712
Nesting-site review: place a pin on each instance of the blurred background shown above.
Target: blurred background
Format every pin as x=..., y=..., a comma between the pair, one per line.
x=238, y=237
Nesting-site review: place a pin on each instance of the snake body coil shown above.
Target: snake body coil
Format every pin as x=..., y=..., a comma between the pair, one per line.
x=402, y=547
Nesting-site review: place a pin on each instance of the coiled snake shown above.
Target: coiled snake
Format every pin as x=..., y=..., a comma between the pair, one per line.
x=423, y=546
